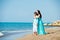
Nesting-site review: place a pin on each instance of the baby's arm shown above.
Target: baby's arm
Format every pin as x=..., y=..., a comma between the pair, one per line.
x=34, y=17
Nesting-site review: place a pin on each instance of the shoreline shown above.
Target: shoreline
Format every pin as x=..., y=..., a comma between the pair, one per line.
x=53, y=34
x=13, y=35
x=53, y=25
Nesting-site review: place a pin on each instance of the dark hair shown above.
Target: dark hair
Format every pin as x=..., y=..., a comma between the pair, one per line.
x=35, y=13
x=39, y=13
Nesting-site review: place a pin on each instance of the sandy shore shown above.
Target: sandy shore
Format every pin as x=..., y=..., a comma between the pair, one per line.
x=53, y=34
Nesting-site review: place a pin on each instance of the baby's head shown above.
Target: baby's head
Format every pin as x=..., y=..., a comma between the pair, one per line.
x=35, y=13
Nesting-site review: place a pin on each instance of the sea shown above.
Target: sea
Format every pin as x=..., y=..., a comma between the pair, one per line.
x=15, y=30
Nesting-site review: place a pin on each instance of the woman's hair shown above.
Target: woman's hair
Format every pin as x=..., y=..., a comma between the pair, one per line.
x=39, y=13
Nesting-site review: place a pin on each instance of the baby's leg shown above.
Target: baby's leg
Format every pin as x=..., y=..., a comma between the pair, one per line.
x=35, y=33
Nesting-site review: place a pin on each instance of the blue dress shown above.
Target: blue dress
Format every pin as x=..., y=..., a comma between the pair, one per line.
x=40, y=29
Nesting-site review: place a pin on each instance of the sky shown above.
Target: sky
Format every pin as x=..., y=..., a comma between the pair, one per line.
x=23, y=10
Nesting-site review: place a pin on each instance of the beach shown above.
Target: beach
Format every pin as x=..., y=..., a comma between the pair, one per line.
x=23, y=31
x=53, y=33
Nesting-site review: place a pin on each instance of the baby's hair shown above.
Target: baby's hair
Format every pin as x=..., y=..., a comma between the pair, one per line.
x=36, y=13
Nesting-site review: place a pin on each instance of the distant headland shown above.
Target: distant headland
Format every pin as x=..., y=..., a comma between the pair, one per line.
x=55, y=23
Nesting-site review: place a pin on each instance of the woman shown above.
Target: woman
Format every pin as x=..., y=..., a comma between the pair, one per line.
x=40, y=28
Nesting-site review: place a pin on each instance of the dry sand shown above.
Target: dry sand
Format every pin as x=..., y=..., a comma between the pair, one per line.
x=53, y=34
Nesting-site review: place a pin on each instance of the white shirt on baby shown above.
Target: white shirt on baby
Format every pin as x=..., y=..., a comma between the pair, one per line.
x=35, y=22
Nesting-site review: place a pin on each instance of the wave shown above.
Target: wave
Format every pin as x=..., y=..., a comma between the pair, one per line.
x=17, y=31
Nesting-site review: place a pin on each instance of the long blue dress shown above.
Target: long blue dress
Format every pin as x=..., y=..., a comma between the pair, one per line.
x=40, y=29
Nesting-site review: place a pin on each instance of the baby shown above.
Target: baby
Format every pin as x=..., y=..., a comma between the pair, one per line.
x=35, y=23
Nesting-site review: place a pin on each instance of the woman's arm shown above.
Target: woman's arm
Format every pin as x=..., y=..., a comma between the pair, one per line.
x=37, y=16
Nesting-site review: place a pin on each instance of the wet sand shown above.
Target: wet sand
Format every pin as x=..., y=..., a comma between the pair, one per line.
x=52, y=34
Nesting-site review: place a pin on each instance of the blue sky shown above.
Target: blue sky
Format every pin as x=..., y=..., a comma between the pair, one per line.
x=22, y=10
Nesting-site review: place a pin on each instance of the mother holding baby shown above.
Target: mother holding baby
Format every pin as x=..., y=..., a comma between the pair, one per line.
x=38, y=27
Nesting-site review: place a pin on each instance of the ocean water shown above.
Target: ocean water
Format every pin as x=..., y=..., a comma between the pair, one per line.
x=14, y=30
x=11, y=26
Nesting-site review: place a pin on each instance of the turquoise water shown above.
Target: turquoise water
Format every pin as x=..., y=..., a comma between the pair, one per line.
x=14, y=30
x=8, y=26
